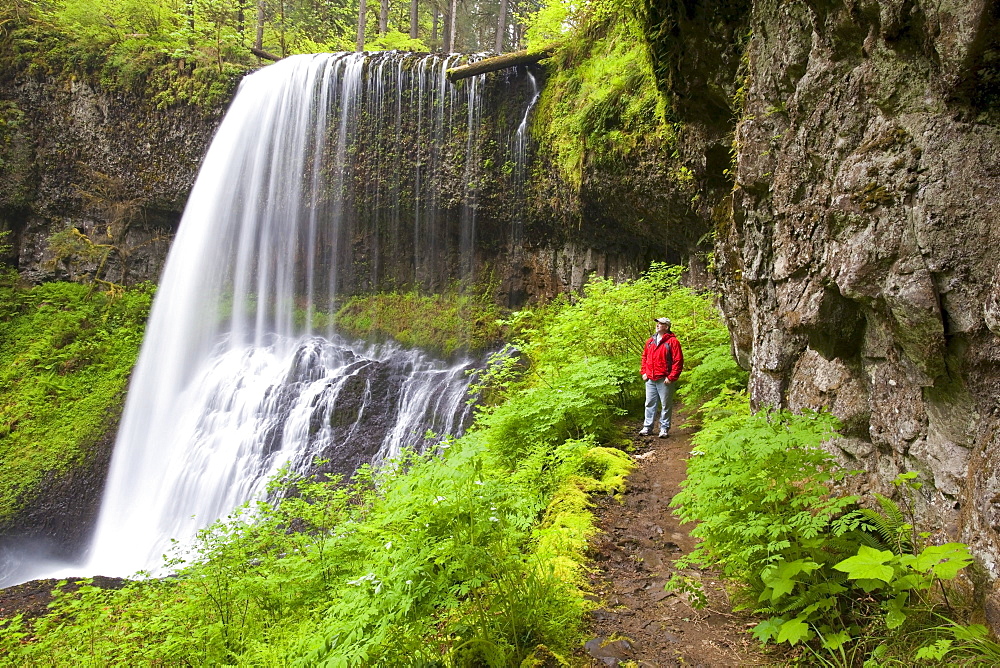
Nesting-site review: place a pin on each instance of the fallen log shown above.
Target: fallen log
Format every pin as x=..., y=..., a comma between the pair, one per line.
x=497, y=63
x=261, y=53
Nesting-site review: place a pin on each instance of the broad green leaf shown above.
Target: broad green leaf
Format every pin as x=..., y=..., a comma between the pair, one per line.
x=793, y=631
x=834, y=641
x=869, y=585
x=781, y=577
x=944, y=560
x=767, y=629
x=868, y=563
x=894, y=616
x=935, y=651
x=910, y=581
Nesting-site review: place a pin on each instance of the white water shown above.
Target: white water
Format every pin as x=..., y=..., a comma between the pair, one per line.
x=239, y=374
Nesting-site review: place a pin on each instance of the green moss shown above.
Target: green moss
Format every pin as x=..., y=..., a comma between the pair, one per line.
x=444, y=323
x=600, y=103
x=568, y=523
x=65, y=356
x=873, y=196
x=896, y=137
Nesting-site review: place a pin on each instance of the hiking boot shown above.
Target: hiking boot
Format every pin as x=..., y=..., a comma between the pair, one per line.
x=644, y=431
x=663, y=433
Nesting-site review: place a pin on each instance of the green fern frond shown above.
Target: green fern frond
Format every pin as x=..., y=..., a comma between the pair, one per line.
x=889, y=525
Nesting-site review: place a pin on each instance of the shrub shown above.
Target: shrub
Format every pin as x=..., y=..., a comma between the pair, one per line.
x=763, y=492
x=65, y=358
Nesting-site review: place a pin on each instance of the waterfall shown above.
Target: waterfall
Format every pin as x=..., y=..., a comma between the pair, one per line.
x=330, y=174
x=520, y=151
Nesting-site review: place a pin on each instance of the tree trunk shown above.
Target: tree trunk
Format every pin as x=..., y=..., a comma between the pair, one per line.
x=445, y=30
x=434, y=32
x=383, y=17
x=501, y=27
x=258, y=42
x=414, y=18
x=452, y=24
x=361, y=25
x=281, y=35
x=496, y=63
x=267, y=55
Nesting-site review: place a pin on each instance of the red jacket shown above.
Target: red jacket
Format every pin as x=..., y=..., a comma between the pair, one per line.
x=663, y=359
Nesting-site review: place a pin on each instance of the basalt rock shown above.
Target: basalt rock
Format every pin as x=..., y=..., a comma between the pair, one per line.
x=859, y=266
x=118, y=171
x=59, y=514
x=108, y=165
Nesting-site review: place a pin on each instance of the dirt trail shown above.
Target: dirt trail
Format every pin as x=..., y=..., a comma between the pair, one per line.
x=634, y=556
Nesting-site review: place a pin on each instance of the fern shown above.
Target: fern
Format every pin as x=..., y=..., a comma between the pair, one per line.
x=890, y=525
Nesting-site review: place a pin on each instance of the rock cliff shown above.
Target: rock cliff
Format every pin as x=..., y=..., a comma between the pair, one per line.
x=109, y=166
x=859, y=262
x=846, y=154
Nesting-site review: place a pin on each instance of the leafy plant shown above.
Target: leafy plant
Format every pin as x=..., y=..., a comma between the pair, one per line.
x=820, y=569
x=65, y=358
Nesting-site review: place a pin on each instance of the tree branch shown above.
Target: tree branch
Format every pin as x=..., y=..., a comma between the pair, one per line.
x=261, y=53
x=497, y=63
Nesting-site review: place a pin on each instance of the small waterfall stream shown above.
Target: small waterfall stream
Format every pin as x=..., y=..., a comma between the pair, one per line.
x=302, y=195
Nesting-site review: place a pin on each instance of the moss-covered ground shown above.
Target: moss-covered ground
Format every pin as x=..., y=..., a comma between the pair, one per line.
x=65, y=358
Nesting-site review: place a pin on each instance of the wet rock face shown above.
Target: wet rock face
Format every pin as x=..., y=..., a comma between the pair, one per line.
x=110, y=166
x=860, y=268
x=59, y=516
x=113, y=168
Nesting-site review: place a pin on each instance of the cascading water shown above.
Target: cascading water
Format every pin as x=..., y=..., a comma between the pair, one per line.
x=301, y=196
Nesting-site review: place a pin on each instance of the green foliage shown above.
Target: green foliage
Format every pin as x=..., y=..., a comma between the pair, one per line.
x=759, y=486
x=580, y=400
x=549, y=23
x=128, y=46
x=600, y=105
x=446, y=323
x=395, y=40
x=434, y=557
x=612, y=322
x=65, y=358
x=821, y=570
x=468, y=555
x=194, y=51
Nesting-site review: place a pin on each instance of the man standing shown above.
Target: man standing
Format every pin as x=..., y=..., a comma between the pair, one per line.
x=662, y=361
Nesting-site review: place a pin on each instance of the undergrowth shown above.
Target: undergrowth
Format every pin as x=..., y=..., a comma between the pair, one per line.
x=66, y=353
x=143, y=52
x=470, y=554
x=848, y=580
x=443, y=323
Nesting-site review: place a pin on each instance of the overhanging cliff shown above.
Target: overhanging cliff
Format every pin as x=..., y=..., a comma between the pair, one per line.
x=858, y=259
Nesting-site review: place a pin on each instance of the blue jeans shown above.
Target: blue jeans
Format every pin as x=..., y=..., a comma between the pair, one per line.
x=664, y=391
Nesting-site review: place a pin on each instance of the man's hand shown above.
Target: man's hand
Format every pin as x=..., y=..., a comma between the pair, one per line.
x=644, y=377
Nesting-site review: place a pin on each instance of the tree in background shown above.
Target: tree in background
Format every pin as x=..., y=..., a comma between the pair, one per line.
x=362, y=19
x=109, y=37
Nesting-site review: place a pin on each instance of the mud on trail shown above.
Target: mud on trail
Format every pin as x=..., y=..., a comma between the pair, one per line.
x=633, y=557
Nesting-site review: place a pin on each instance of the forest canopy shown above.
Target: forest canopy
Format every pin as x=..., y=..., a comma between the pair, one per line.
x=225, y=30
x=195, y=51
